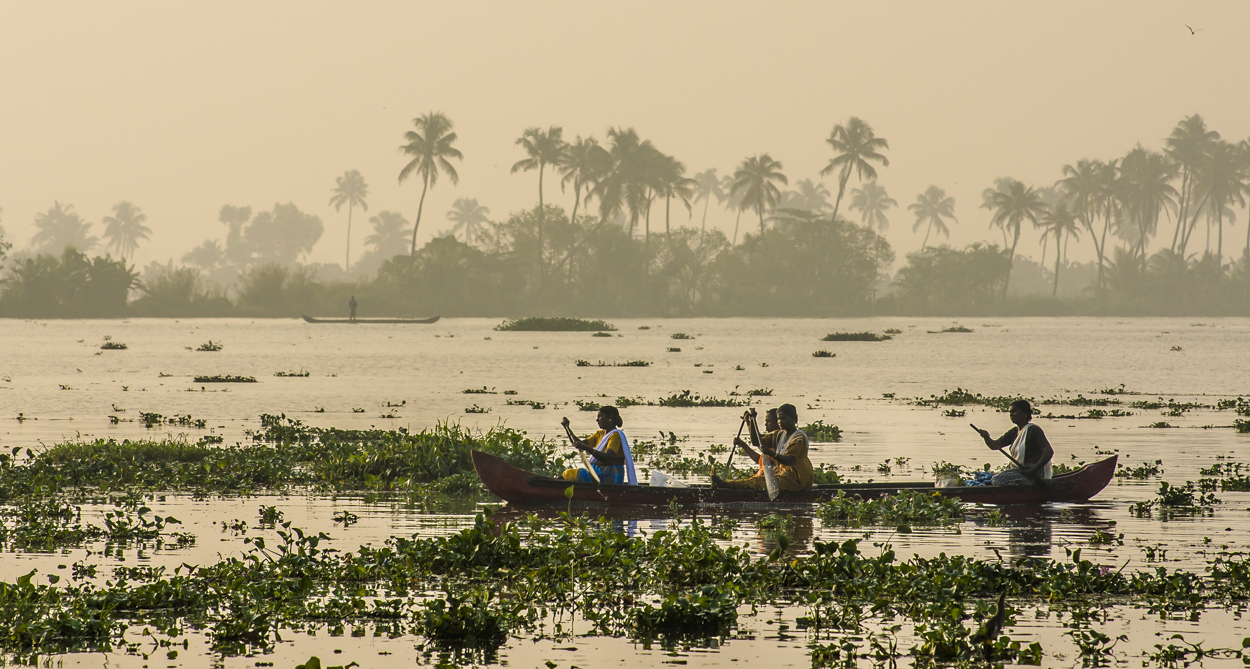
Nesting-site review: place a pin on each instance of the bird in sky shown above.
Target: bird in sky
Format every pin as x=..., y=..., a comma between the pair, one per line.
x=1192, y=31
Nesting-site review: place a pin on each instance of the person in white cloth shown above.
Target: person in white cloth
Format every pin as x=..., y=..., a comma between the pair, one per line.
x=1026, y=444
x=608, y=448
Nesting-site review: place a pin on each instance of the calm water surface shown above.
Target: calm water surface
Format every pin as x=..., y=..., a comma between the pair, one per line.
x=55, y=377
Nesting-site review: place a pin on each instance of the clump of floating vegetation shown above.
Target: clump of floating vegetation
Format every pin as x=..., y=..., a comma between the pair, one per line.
x=553, y=325
x=300, y=374
x=476, y=409
x=225, y=378
x=952, y=329
x=680, y=335
x=681, y=399
x=961, y=397
x=908, y=506
x=856, y=336
x=599, y=334
x=151, y=419
x=673, y=349
x=821, y=431
x=113, y=346
x=1141, y=471
x=892, y=331
x=478, y=391
x=210, y=346
x=528, y=403
x=823, y=354
x=628, y=363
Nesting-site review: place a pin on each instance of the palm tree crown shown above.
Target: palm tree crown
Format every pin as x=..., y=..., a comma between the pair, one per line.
x=872, y=201
x=542, y=148
x=389, y=234
x=470, y=218
x=583, y=165
x=932, y=207
x=125, y=229
x=756, y=182
x=855, y=145
x=61, y=226
x=1013, y=203
x=431, y=147
x=1059, y=222
x=351, y=190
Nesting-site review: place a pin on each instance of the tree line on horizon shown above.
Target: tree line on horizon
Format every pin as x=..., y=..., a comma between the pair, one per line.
x=1198, y=177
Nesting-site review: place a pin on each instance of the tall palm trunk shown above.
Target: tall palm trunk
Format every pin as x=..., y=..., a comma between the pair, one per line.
x=1183, y=209
x=541, y=212
x=925, y=243
x=1011, y=261
x=667, y=201
x=347, y=263
x=760, y=211
x=736, y=221
x=1193, y=223
x=846, y=176
x=703, y=229
x=577, y=198
x=1219, y=244
x=420, y=206
x=1055, y=291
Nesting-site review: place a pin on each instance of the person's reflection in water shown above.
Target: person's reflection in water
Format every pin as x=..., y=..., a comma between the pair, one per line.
x=794, y=531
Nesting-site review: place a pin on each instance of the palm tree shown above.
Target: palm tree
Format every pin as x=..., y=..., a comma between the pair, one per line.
x=125, y=228
x=1086, y=188
x=707, y=186
x=1059, y=222
x=807, y=195
x=1144, y=192
x=1013, y=204
x=584, y=164
x=351, y=190
x=61, y=226
x=671, y=182
x=542, y=148
x=389, y=232
x=932, y=207
x=1188, y=147
x=627, y=185
x=469, y=217
x=734, y=201
x=430, y=146
x=756, y=180
x=1223, y=179
x=872, y=201
x=855, y=145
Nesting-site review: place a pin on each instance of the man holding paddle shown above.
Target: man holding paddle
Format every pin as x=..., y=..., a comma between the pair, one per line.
x=782, y=454
x=1027, y=448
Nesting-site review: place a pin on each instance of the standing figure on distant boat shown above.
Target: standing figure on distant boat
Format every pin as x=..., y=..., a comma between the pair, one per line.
x=611, y=459
x=1026, y=445
x=787, y=447
x=351, y=308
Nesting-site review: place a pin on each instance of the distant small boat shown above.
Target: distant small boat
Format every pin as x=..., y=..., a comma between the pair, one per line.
x=392, y=321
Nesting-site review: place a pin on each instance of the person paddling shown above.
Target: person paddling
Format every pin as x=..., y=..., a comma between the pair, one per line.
x=787, y=447
x=1027, y=447
x=611, y=458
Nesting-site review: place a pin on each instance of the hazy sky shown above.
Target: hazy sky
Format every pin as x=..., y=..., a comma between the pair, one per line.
x=181, y=107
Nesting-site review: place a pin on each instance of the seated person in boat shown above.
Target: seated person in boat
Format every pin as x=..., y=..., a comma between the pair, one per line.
x=786, y=447
x=1026, y=444
x=610, y=456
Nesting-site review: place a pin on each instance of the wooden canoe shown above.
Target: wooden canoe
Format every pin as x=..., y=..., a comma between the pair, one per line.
x=373, y=321
x=522, y=488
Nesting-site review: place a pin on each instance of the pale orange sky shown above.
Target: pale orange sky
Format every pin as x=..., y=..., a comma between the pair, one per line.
x=183, y=107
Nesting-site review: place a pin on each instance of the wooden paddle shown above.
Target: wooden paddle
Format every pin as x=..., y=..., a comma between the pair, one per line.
x=593, y=474
x=734, y=447
x=766, y=463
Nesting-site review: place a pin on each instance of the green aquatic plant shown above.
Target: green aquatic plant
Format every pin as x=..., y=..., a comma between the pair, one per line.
x=710, y=611
x=907, y=506
x=823, y=354
x=680, y=335
x=554, y=325
x=476, y=409
x=210, y=346
x=856, y=336
x=1143, y=471
x=628, y=363
x=300, y=374
x=225, y=378
x=686, y=398
x=113, y=346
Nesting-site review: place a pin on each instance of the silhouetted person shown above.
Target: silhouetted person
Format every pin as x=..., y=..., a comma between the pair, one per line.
x=1026, y=444
x=351, y=308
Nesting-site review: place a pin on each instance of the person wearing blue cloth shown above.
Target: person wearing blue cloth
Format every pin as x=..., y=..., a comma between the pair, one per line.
x=611, y=458
x=1026, y=445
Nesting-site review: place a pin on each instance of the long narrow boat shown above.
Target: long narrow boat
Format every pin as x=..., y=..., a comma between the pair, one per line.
x=373, y=321
x=522, y=488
